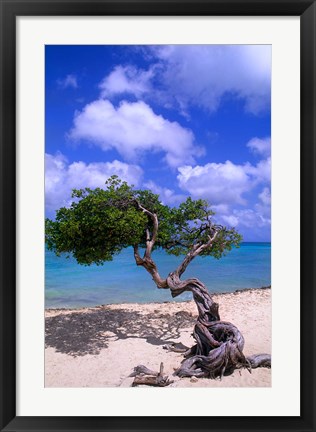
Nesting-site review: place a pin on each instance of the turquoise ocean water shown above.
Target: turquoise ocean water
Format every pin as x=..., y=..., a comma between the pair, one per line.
x=68, y=284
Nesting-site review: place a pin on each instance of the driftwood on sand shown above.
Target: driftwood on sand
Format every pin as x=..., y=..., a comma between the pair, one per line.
x=145, y=376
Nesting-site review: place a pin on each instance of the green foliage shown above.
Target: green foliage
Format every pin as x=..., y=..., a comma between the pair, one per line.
x=102, y=222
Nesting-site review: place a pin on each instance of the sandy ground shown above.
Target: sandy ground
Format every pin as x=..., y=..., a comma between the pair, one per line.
x=99, y=347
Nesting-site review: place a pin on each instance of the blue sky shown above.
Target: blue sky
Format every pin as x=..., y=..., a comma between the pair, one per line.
x=179, y=120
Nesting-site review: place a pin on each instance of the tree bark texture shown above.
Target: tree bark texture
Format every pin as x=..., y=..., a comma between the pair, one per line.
x=219, y=344
x=145, y=376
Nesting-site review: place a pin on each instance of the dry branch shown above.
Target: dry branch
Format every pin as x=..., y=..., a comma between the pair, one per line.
x=145, y=376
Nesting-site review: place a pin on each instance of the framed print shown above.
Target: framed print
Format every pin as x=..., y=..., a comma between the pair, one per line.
x=134, y=150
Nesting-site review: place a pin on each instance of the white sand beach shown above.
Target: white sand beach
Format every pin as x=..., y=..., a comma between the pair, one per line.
x=99, y=347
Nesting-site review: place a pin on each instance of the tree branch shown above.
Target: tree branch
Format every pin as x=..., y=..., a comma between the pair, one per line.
x=195, y=251
x=149, y=242
x=138, y=259
x=148, y=263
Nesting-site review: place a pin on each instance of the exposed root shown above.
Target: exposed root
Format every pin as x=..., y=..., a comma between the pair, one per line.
x=142, y=370
x=219, y=344
x=176, y=347
x=145, y=376
x=260, y=360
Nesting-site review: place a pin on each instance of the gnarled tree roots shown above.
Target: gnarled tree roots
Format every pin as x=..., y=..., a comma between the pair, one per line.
x=219, y=344
x=219, y=350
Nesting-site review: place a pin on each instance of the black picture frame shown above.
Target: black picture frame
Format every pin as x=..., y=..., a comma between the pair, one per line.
x=10, y=9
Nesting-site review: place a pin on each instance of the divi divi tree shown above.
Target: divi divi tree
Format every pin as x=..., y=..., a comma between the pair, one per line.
x=102, y=222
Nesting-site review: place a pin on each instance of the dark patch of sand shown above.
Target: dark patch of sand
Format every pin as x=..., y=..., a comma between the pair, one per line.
x=78, y=334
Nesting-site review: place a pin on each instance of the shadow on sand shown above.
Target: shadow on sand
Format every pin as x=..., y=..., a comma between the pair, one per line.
x=81, y=333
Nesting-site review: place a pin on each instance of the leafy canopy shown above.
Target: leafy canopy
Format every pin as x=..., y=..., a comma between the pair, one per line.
x=102, y=222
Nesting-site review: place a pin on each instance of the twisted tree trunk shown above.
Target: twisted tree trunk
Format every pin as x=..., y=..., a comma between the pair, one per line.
x=219, y=344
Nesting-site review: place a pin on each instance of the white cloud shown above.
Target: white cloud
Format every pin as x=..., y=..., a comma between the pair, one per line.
x=220, y=208
x=68, y=81
x=260, y=172
x=226, y=185
x=222, y=183
x=263, y=206
x=230, y=220
x=203, y=74
x=250, y=218
x=198, y=75
x=265, y=196
x=61, y=177
x=252, y=223
x=132, y=129
x=167, y=196
x=255, y=222
x=260, y=146
x=126, y=79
